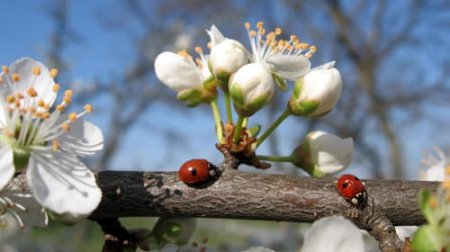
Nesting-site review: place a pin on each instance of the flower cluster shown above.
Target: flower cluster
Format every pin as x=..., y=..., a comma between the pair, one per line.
x=39, y=139
x=248, y=81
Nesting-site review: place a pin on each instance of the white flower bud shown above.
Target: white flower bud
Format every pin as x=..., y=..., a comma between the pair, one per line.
x=251, y=87
x=227, y=57
x=322, y=153
x=193, y=82
x=177, y=72
x=317, y=92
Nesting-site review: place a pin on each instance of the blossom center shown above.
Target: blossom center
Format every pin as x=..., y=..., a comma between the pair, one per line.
x=265, y=44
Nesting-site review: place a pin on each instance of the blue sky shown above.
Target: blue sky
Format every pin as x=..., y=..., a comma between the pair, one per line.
x=25, y=30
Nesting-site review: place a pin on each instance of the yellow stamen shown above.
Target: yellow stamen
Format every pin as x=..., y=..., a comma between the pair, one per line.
x=47, y=106
x=67, y=99
x=184, y=53
x=15, y=77
x=55, y=145
x=198, y=49
x=1, y=79
x=41, y=103
x=10, y=99
x=68, y=92
x=66, y=127
x=36, y=70
x=252, y=33
x=60, y=108
x=72, y=117
x=56, y=87
x=32, y=92
x=278, y=31
x=247, y=25
x=260, y=25
x=46, y=115
x=53, y=72
x=88, y=108
x=20, y=96
x=5, y=69
x=32, y=110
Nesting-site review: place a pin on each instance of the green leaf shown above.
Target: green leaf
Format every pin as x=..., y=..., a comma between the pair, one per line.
x=427, y=239
x=423, y=198
x=254, y=131
x=281, y=82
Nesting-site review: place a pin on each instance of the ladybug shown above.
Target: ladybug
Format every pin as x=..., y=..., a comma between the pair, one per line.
x=352, y=189
x=197, y=171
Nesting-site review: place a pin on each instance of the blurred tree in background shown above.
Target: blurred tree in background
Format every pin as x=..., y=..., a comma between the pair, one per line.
x=392, y=56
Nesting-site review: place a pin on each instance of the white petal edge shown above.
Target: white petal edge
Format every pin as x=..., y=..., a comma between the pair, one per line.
x=43, y=84
x=62, y=183
x=215, y=35
x=6, y=165
x=333, y=233
x=289, y=66
x=177, y=72
x=84, y=138
x=330, y=152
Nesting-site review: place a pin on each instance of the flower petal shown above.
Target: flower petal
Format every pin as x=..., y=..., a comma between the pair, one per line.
x=6, y=165
x=42, y=83
x=84, y=138
x=330, y=152
x=333, y=233
x=177, y=72
x=215, y=35
x=62, y=183
x=2, y=113
x=290, y=67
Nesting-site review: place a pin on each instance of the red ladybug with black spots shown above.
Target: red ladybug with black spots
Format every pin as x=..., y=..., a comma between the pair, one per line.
x=352, y=189
x=197, y=171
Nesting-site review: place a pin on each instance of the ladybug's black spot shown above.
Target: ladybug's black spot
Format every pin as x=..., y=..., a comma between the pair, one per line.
x=356, y=178
x=344, y=185
x=193, y=171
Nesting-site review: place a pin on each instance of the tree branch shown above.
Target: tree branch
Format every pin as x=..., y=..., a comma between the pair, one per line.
x=243, y=195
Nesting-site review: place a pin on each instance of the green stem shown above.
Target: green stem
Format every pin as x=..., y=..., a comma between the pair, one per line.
x=275, y=158
x=245, y=122
x=272, y=127
x=217, y=120
x=228, y=108
x=237, y=130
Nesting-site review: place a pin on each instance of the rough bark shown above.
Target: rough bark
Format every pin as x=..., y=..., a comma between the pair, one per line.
x=243, y=195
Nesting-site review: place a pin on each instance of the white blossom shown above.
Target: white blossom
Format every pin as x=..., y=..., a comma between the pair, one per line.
x=46, y=142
